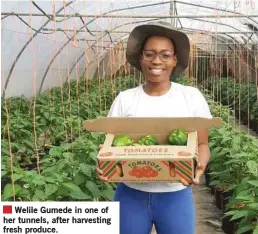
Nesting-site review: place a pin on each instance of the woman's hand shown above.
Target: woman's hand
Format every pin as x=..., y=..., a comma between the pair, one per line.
x=198, y=172
x=203, y=158
x=99, y=171
x=204, y=154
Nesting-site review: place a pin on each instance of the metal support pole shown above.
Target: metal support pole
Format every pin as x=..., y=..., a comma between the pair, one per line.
x=193, y=31
x=172, y=12
x=131, y=16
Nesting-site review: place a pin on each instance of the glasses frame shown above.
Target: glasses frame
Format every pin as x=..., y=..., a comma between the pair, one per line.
x=157, y=54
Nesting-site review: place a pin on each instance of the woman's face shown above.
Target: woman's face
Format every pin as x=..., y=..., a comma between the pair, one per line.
x=154, y=69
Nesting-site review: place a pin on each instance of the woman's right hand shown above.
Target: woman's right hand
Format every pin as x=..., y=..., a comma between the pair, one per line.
x=99, y=171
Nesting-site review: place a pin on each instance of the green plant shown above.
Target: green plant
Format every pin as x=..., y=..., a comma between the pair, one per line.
x=48, y=156
x=46, y=153
x=240, y=97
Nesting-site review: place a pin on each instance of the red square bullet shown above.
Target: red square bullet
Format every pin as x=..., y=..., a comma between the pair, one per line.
x=7, y=209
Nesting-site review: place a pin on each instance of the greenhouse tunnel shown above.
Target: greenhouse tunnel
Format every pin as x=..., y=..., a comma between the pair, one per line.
x=64, y=62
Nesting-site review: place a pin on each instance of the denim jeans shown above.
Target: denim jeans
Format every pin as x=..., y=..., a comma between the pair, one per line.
x=170, y=212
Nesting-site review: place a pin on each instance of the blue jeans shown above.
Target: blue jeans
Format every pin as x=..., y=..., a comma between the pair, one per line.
x=170, y=212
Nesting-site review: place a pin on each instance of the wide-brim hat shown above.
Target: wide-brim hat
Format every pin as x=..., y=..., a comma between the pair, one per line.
x=160, y=28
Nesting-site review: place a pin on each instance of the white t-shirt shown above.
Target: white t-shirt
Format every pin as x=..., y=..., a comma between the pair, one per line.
x=179, y=101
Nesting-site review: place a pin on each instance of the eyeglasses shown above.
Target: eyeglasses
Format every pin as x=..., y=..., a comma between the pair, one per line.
x=164, y=56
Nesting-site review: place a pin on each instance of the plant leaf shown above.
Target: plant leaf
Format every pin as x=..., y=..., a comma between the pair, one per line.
x=95, y=135
x=8, y=190
x=79, y=195
x=253, y=167
x=50, y=189
x=244, y=229
x=253, y=182
x=215, y=182
x=239, y=214
x=76, y=192
x=108, y=194
x=38, y=180
x=50, y=179
x=3, y=173
x=17, y=177
x=85, y=169
x=256, y=230
x=71, y=186
x=55, y=151
x=5, y=151
x=231, y=187
x=93, y=188
x=243, y=193
x=39, y=195
x=254, y=206
x=29, y=144
x=93, y=155
x=60, y=134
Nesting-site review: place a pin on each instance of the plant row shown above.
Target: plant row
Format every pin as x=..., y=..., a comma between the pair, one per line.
x=240, y=97
x=232, y=173
x=53, y=158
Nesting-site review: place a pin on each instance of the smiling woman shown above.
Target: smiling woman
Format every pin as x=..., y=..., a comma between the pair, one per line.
x=159, y=52
x=157, y=61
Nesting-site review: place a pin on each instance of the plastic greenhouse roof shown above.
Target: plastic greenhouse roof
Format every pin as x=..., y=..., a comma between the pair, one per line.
x=44, y=43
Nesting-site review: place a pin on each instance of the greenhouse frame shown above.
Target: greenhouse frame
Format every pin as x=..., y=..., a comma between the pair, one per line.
x=64, y=62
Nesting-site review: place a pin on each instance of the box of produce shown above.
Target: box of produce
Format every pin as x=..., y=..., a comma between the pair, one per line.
x=149, y=149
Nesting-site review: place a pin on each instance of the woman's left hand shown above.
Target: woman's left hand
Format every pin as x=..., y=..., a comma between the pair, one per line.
x=198, y=173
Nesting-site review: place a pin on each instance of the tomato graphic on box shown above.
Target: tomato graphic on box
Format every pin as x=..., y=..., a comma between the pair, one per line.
x=143, y=172
x=183, y=153
x=106, y=154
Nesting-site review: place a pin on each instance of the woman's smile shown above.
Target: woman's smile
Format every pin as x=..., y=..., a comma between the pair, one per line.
x=158, y=60
x=156, y=71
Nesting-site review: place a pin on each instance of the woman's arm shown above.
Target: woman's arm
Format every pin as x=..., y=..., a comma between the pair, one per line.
x=204, y=150
x=202, y=109
x=204, y=154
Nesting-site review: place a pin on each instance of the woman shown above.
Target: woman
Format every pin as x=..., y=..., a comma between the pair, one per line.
x=159, y=52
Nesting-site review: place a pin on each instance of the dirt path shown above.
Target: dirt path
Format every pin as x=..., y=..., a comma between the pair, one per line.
x=207, y=214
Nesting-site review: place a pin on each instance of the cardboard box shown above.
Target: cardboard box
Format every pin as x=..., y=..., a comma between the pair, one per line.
x=157, y=163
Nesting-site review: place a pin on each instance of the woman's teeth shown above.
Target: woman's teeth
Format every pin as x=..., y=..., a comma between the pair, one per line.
x=156, y=71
